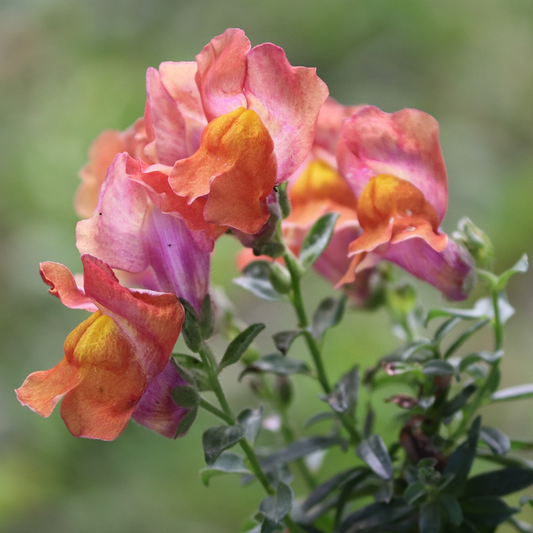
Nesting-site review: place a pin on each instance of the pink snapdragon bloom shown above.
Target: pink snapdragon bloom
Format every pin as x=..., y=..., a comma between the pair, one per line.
x=317, y=188
x=116, y=362
x=394, y=164
x=129, y=232
x=224, y=130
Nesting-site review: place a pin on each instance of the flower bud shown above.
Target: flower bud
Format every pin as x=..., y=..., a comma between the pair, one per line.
x=476, y=242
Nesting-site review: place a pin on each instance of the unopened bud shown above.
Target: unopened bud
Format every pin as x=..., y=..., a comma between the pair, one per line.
x=280, y=278
x=283, y=389
x=476, y=242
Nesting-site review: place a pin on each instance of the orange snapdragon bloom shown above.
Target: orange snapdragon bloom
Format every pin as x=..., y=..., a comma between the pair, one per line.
x=112, y=360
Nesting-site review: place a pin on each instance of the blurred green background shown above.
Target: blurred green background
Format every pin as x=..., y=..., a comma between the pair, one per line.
x=69, y=69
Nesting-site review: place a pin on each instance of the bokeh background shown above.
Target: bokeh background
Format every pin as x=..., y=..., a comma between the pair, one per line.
x=69, y=69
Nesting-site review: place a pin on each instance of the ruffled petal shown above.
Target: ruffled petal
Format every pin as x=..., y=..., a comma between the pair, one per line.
x=114, y=232
x=63, y=286
x=288, y=100
x=102, y=404
x=157, y=410
x=235, y=166
x=165, y=125
x=221, y=72
x=42, y=390
x=451, y=271
x=151, y=320
x=404, y=144
x=393, y=210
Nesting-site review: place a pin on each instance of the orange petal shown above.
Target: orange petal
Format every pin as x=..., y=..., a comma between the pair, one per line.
x=392, y=210
x=111, y=379
x=42, y=390
x=236, y=166
x=320, y=189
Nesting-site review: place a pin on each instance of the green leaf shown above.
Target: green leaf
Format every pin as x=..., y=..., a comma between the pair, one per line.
x=190, y=331
x=451, y=509
x=374, y=453
x=326, y=488
x=207, y=318
x=284, y=339
x=519, y=392
x=437, y=367
x=275, y=363
x=186, y=396
x=429, y=521
x=238, y=346
x=276, y=507
x=300, y=448
x=250, y=420
x=317, y=240
x=521, y=445
x=186, y=422
x=460, y=462
x=414, y=492
x=376, y=515
x=344, y=398
x=319, y=417
x=328, y=314
x=487, y=511
x=458, y=401
x=219, y=438
x=505, y=460
x=497, y=441
x=487, y=357
x=256, y=279
x=227, y=463
x=195, y=368
x=521, y=267
x=499, y=482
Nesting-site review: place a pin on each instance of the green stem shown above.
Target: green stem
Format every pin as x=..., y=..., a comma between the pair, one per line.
x=312, y=344
x=208, y=406
x=498, y=327
x=227, y=415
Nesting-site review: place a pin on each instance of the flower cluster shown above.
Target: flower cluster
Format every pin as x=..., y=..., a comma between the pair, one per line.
x=218, y=136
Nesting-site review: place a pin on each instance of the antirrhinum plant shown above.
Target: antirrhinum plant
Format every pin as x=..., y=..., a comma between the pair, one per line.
x=241, y=142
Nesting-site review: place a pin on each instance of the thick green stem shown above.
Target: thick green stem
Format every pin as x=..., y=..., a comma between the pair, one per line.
x=208, y=406
x=498, y=327
x=312, y=344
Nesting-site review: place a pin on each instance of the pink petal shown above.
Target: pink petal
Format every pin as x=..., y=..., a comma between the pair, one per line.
x=114, y=232
x=287, y=99
x=221, y=71
x=165, y=125
x=404, y=144
x=64, y=286
x=450, y=271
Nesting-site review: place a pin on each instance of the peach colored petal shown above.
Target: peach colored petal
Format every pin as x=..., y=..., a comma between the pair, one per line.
x=64, y=286
x=393, y=210
x=235, y=166
x=42, y=390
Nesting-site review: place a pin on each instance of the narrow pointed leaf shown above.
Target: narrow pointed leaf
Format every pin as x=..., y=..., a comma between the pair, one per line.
x=250, y=420
x=190, y=330
x=238, y=346
x=487, y=511
x=275, y=363
x=284, y=339
x=499, y=482
x=328, y=314
x=429, y=521
x=317, y=240
x=256, y=279
x=520, y=392
x=227, y=463
x=437, y=367
x=521, y=267
x=497, y=441
x=374, y=453
x=217, y=439
x=451, y=509
x=186, y=422
x=207, y=318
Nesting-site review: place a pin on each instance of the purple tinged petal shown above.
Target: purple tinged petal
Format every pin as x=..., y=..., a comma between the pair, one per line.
x=156, y=409
x=450, y=271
